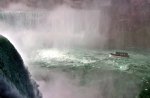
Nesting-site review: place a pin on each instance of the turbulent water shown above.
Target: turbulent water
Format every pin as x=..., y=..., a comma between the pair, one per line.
x=92, y=73
x=76, y=73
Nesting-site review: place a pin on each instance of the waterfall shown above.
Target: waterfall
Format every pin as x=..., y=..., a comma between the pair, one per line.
x=61, y=27
x=21, y=19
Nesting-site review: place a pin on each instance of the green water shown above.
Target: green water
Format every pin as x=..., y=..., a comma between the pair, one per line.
x=114, y=77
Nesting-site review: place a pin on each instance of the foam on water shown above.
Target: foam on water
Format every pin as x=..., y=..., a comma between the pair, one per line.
x=91, y=68
x=82, y=57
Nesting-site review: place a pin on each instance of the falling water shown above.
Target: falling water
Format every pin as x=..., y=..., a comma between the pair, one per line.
x=64, y=26
x=63, y=47
x=21, y=19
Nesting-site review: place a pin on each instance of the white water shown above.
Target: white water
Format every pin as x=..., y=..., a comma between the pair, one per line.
x=83, y=73
x=60, y=27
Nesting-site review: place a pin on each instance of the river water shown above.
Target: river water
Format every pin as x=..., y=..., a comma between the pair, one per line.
x=76, y=73
x=83, y=73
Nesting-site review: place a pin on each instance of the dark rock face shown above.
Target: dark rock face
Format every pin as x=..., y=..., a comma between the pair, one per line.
x=14, y=77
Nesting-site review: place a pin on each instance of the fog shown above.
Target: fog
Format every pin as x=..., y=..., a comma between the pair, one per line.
x=62, y=26
x=56, y=83
x=77, y=23
x=98, y=24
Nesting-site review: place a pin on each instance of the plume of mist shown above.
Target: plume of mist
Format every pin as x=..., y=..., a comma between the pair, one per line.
x=62, y=23
x=63, y=26
x=56, y=83
x=50, y=4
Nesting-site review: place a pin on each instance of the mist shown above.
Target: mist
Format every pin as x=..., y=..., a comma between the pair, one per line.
x=60, y=27
x=59, y=24
x=57, y=83
x=78, y=23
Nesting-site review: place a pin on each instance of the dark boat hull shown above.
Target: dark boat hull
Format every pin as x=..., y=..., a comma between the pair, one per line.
x=117, y=55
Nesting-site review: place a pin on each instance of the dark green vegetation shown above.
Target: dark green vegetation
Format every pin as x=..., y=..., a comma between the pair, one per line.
x=12, y=70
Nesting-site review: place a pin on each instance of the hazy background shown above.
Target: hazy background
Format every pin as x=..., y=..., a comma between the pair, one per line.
x=83, y=23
